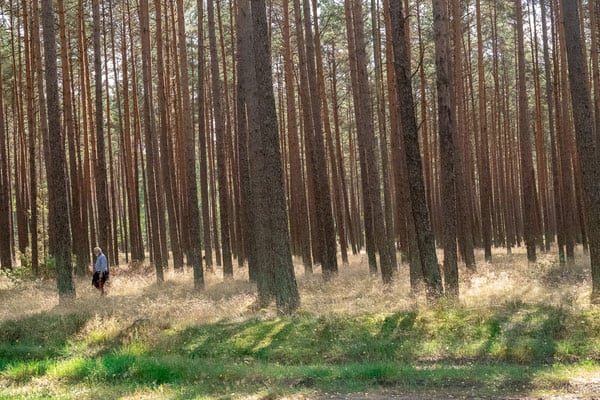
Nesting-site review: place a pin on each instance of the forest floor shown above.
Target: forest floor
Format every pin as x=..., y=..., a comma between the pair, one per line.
x=520, y=331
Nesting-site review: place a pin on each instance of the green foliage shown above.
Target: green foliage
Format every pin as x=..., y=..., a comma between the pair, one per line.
x=48, y=267
x=532, y=334
x=38, y=337
x=17, y=274
x=513, y=346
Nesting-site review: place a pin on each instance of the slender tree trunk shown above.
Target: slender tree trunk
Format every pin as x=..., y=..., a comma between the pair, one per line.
x=528, y=189
x=425, y=239
x=100, y=165
x=383, y=136
x=202, y=134
x=194, y=251
x=540, y=146
x=137, y=248
x=299, y=216
x=20, y=88
x=81, y=253
x=567, y=188
x=246, y=123
x=366, y=131
x=340, y=156
x=360, y=118
x=168, y=178
x=150, y=138
x=5, y=209
x=32, y=40
x=221, y=144
x=336, y=195
x=43, y=132
x=560, y=236
x=585, y=135
x=58, y=205
x=485, y=186
x=447, y=132
x=462, y=157
x=307, y=130
x=213, y=191
x=322, y=191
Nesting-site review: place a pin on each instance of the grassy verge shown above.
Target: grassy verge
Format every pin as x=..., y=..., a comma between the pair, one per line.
x=520, y=330
x=513, y=348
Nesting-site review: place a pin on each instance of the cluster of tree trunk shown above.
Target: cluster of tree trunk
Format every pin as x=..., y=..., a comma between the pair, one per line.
x=257, y=132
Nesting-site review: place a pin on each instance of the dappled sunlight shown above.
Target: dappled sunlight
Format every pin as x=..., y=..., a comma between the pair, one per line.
x=515, y=324
x=135, y=295
x=510, y=278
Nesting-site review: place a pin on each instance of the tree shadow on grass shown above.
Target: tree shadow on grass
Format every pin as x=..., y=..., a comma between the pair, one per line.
x=39, y=336
x=329, y=353
x=531, y=335
x=556, y=275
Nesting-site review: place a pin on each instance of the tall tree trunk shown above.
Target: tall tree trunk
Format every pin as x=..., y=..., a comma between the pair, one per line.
x=325, y=224
x=447, y=132
x=462, y=155
x=528, y=189
x=202, y=135
x=221, y=144
x=299, y=216
x=360, y=118
x=272, y=245
x=168, y=177
x=58, y=204
x=5, y=209
x=194, y=255
x=337, y=193
x=585, y=135
x=404, y=219
x=20, y=88
x=485, y=185
x=540, y=145
x=32, y=39
x=81, y=253
x=340, y=157
x=366, y=139
x=383, y=135
x=150, y=139
x=100, y=166
x=42, y=115
x=425, y=239
x=131, y=175
x=246, y=123
x=560, y=238
x=564, y=148
x=307, y=135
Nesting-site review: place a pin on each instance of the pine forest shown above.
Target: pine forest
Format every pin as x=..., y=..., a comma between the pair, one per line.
x=285, y=143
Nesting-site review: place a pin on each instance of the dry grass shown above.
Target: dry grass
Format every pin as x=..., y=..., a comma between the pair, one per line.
x=134, y=298
x=134, y=294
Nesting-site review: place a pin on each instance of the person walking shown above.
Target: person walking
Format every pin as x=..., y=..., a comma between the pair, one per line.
x=100, y=270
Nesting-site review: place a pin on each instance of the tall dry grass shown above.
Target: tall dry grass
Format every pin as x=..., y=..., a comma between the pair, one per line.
x=134, y=294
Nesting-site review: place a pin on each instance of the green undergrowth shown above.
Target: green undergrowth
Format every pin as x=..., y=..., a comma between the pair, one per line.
x=511, y=348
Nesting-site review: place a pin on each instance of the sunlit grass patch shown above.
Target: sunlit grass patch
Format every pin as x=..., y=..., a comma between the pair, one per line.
x=140, y=375
x=24, y=371
x=517, y=328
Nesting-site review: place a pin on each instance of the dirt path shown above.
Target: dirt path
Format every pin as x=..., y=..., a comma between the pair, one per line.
x=458, y=396
x=577, y=389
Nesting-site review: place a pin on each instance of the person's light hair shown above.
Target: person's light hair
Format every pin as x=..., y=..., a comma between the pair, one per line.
x=97, y=250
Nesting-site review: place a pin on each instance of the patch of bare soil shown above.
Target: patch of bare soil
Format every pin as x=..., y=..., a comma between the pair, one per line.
x=458, y=396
